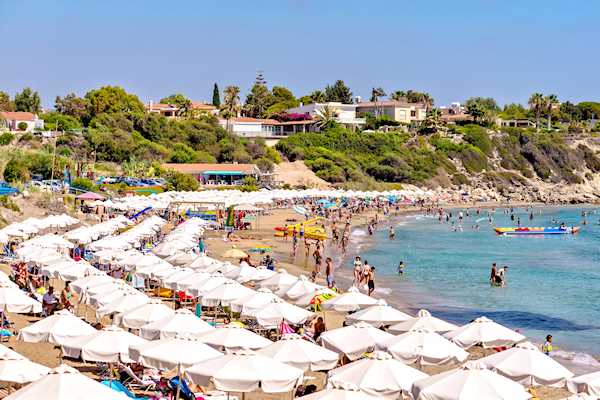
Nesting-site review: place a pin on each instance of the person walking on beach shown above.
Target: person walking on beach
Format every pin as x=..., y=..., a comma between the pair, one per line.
x=329, y=269
x=371, y=280
x=366, y=270
x=357, y=271
x=318, y=259
x=547, y=347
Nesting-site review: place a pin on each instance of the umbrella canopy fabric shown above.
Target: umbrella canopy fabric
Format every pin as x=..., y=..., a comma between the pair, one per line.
x=178, y=352
x=354, y=340
x=279, y=281
x=153, y=310
x=423, y=320
x=56, y=329
x=471, y=381
x=79, y=286
x=338, y=394
x=527, y=365
x=110, y=344
x=486, y=332
x=245, y=371
x=65, y=383
x=424, y=348
x=300, y=288
x=352, y=300
x=232, y=337
x=278, y=311
x=588, y=384
x=183, y=321
x=377, y=375
x=9, y=354
x=225, y=294
x=21, y=371
x=254, y=302
x=291, y=349
x=15, y=301
x=123, y=304
x=378, y=315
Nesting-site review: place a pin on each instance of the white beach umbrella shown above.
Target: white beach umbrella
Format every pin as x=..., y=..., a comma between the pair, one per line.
x=80, y=285
x=171, y=281
x=180, y=352
x=471, y=381
x=423, y=320
x=147, y=313
x=21, y=371
x=123, y=304
x=527, y=365
x=254, y=302
x=225, y=294
x=9, y=354
x=588, y=384
x=424, y=348
x=202, y=262
x=338, y=394
x=257, y=274
x=291, y=349
x=75, y=272
x=300, y=288
x=377, y=375
x=281, y=280
x=581, y=396
x=354, y=340
x=352, y=300
x=486, y=332
x=56, y=329
x=182, y=321
x=110, y=344
x=182, y=258
x=115, y=292
x=183, y=283
x=15, y=301
x=66, y=383
x=232, y=337
x=378, y=315
x=245, y=371
x=200, y=288
x=278, y=311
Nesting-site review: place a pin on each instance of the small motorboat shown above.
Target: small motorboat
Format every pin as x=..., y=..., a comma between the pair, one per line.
x=559, y=230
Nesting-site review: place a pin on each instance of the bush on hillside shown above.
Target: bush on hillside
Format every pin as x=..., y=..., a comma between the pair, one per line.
x=181, y=182
x=16, y=170
x=6, y=138
x=83, y=184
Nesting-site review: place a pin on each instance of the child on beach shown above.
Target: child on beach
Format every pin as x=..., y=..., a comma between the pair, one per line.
x=329, y=268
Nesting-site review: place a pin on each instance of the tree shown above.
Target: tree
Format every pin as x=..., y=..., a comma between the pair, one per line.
x=16, y=170
x=376, y=93
x=259, y=99
x=338, y=92
x=569, y=112
x=326, y=117
x=56, y=121
x=22, y=126
x=283, y=99
x=318, y=97
x=482, y=109
x=216, y=100
x=432, y=122
x=513, y=111
x=5, y=103
x=231, y=104
x=551, y=101
x=72, y=105
x=537, y=104
x=182, y=103
x=589, y=110
x=398, y=95
x=181, y=182
x=112, y=99
x=28, y=101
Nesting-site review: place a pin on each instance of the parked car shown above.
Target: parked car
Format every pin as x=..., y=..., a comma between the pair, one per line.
x=7, y=190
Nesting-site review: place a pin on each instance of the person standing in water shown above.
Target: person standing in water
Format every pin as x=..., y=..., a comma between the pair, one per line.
x=401, y=268
x=392, y=233
x=371, y=280
x=493, y=274
x=547, y=347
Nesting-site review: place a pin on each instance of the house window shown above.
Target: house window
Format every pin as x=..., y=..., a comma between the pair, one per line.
x=413, y=113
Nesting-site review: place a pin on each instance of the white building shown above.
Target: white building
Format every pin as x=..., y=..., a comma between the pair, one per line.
x=12, y=120
x=346, y=113
x=252, y=127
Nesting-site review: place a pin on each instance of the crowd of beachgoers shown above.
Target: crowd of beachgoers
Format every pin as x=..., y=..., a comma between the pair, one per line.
x=162, y=297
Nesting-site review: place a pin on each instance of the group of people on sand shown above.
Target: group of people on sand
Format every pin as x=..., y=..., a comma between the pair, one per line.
x=364, y=274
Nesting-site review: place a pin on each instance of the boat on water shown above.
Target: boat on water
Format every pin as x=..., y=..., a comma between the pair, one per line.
x=558, y=230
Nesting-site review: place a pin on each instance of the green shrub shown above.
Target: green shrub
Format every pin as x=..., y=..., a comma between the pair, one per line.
x=6, y=138
x=181, y=182
x=83, y=184
x=22, y=126
x=16, y=170
x=9, y=203
x=28, y=137
x=478, y=137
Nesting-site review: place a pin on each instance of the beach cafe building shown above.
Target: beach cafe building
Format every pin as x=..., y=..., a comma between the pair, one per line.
x=217, y=174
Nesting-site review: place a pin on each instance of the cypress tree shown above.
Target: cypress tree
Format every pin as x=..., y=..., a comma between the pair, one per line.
x=216, y=96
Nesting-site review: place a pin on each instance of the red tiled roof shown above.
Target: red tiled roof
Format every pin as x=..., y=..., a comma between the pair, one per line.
x=17, y=115
x=199, y=168
x=203, y=106
x=161, y=106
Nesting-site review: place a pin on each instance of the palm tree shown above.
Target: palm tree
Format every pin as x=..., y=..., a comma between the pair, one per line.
x=551, y=101
x=427, y=101
x=326, y=117
x=376, y=93
x=537, y=103
x=231, y=104
x=398, y=95
x=432, y=122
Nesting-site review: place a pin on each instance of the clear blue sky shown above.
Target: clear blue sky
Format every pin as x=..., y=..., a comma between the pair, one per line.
x=452, y=49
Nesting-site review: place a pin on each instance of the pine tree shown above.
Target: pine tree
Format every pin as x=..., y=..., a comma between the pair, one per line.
x=216, y=101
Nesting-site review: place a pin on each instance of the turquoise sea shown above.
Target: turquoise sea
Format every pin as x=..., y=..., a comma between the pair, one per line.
x=553, y=281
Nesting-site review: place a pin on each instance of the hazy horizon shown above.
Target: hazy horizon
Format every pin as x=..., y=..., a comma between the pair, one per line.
x=500, y=49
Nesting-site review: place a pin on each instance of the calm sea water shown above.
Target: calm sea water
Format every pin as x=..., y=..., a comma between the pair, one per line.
x=553, y=281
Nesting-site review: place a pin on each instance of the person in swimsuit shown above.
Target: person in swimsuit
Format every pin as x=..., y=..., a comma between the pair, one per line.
x=371, y=280
x=357, y=271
